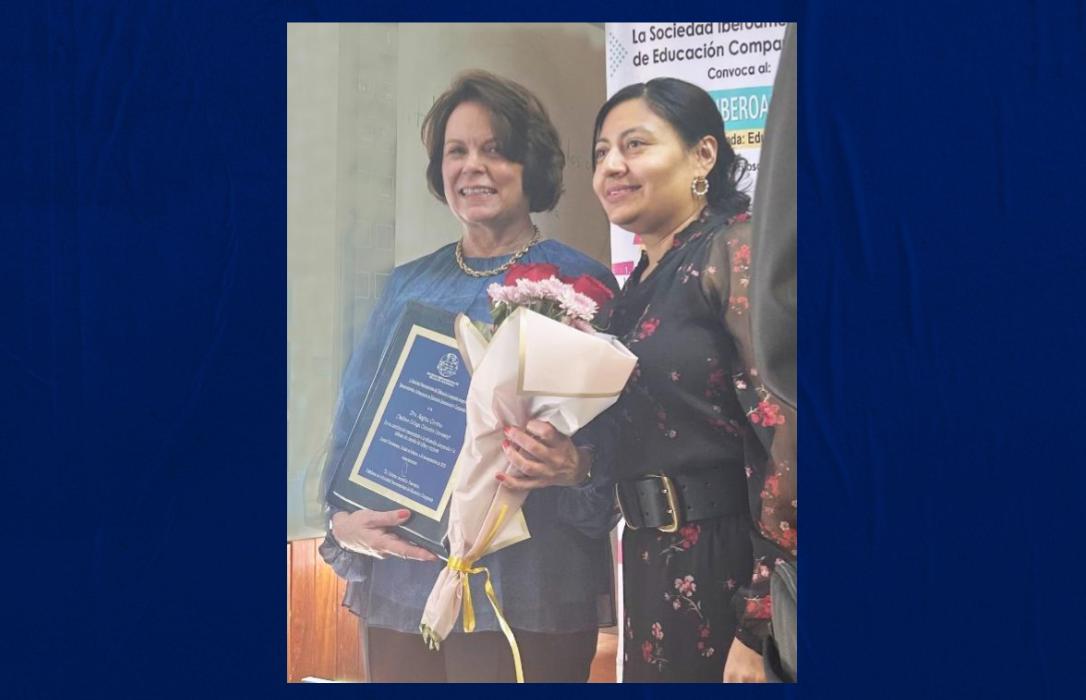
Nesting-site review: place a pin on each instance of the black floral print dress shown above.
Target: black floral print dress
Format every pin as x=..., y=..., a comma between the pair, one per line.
x=695, y=402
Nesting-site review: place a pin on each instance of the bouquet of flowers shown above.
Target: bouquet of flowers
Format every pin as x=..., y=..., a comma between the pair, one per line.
x=544, y=360
x=539, y=288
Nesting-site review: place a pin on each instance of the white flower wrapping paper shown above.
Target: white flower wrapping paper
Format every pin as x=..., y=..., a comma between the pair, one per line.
x=533, y=367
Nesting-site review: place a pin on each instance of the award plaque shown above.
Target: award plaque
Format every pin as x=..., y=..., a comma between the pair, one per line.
x=403, y=449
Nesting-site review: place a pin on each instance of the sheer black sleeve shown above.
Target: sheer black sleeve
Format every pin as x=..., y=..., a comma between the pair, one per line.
x=769, y=441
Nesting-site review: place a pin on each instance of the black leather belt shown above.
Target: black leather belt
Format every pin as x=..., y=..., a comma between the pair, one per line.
x=666, y=502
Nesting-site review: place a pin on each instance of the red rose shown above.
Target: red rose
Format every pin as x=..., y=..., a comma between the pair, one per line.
x=592, y=288
x=533, y=273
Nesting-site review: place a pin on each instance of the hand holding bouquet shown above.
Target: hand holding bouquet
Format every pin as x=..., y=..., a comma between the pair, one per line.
x=544, y=362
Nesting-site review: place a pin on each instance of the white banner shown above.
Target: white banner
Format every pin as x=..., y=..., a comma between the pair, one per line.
x=734, y=62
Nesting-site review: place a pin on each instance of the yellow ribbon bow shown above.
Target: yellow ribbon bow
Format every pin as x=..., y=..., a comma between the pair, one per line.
x=466, y=568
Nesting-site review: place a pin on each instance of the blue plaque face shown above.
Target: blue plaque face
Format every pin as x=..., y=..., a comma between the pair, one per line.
x=403, y=449
x=410, y=451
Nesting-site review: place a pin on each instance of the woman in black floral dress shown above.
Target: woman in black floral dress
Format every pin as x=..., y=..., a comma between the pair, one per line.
x=704, y=446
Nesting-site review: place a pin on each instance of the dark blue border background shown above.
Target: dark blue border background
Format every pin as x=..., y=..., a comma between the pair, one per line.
x=144, y=263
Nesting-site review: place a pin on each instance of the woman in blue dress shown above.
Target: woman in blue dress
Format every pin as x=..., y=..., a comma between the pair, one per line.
x=494, y=158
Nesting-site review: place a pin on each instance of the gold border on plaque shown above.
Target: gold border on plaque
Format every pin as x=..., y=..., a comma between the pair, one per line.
x=356, y=475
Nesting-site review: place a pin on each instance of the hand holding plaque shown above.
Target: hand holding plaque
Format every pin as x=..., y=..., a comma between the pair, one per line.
x=403, y=449
x=371, y=532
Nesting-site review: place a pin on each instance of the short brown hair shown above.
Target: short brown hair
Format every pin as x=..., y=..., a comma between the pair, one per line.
x=524, y=132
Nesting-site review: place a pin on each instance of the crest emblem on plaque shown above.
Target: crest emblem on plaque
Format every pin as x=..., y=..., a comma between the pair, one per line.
x=448, y=365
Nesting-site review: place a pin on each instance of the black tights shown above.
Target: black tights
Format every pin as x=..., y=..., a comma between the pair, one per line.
x=480, y=657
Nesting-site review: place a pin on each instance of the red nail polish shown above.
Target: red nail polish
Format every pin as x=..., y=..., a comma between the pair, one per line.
x=505, y=444
x=403, y=513
x=507, y=430
x=500, y=477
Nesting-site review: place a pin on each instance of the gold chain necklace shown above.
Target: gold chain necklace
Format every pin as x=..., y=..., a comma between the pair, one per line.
x=536, y=237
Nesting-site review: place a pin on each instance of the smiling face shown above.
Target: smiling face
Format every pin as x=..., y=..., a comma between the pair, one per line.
x=643, y=171
x=482, y=186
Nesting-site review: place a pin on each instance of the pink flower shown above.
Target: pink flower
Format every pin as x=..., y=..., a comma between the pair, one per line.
x=786, y=538
x=767, y=414
x=526, y=285
x=646, y=651
x=741, y=257
x=690, y=535
x=686, y=585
